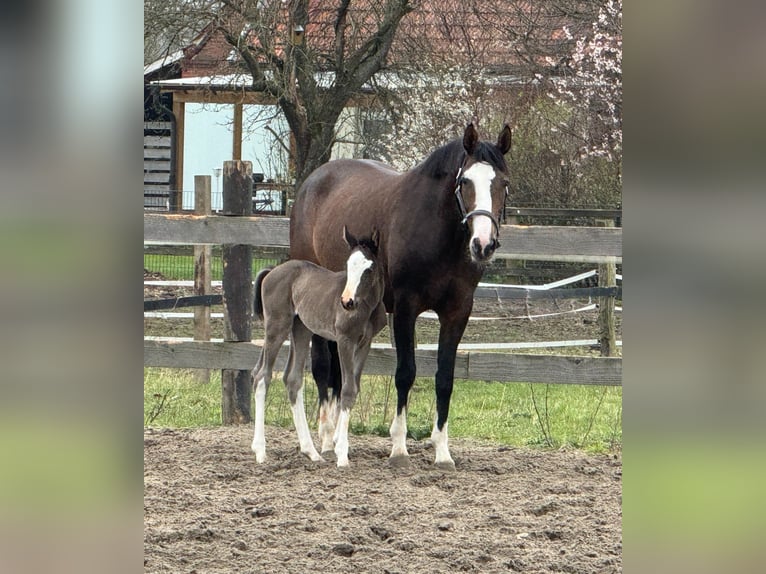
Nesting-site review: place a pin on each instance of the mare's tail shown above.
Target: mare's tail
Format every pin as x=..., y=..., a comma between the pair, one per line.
x=258, y=297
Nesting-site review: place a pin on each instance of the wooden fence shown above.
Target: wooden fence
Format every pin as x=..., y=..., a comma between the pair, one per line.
x=600, y=245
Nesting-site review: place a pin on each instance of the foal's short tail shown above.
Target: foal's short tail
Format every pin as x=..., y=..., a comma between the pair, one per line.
x=258, y=297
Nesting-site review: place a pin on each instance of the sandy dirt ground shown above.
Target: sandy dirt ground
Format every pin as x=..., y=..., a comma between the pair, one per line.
x=209, y=508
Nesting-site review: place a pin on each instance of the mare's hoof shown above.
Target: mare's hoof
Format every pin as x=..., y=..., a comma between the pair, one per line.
x=446, y=465
x=399, y=461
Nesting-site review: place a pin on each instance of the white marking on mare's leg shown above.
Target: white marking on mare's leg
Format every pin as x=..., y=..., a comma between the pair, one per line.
x=302, y=428
x=327, y=419
x=440, y=441
x=259, y=437
x=341, y=438
x=399, y=435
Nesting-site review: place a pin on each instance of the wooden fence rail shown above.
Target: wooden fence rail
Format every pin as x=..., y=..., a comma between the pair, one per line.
x=478, y=366
x=602, y=245
x=543, y=243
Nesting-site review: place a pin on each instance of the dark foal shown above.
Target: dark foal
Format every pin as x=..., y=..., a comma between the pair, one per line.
x=299, y=298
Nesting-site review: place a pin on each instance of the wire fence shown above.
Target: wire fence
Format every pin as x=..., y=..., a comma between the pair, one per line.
x=178, y=264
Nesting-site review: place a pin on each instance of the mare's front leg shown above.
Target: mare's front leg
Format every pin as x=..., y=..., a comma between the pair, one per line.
x=450, y=332
x=299, y=347
x=404, y=337
x=325, y=367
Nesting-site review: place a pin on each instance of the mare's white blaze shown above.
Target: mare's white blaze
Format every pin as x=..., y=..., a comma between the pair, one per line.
x=399, y=435
x=356, y=265
x=327, y=417
x=439, y=440
x=341, y=438
x=481, y=175
x=259, y=437
x=302, y=428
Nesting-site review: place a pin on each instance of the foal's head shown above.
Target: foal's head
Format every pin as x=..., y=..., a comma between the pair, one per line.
x=481, y=188
x=364, y=278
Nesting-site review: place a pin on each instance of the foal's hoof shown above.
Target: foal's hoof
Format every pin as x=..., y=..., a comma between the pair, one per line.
x=329, y=455
x=399, y=461
x=445, y=465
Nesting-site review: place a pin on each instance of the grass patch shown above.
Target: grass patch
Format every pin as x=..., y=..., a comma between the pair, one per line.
x=514, y=414
x=181, y=267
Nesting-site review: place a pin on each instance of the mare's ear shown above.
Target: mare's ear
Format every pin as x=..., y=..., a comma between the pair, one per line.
x=376, y=239
x=470, y=139
x=504, y=140
x=350, y=240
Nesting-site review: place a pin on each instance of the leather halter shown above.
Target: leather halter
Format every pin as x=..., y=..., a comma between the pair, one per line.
x=467, y=215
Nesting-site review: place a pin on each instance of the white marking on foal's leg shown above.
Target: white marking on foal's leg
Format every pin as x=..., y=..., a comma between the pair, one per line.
x=399, y=436
x=440, y=440
x=327, y=419
x=302, y=428
x=341, y=438
x=259, y=436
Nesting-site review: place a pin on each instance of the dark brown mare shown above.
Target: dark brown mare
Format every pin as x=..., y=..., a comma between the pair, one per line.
x=299, y=298
x=440, y=227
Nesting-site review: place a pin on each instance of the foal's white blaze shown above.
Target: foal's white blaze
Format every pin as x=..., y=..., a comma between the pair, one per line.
x=302, y=427
x=357, y=264
x=341, y=438
x=399, y=435
x=259, y=437
x=481, y=175
x=439, y=440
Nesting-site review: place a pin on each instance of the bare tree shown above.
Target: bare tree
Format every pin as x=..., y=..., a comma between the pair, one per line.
x=312, y=58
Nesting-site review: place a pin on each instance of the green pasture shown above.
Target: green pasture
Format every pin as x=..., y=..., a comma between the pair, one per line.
x=181, y=267
x=514, y=414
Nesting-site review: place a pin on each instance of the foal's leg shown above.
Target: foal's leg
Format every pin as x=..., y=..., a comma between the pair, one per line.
x=346, y=352
x=276, y=333
x=450, y=333
x=299, y=347
x=326, y=370
x=404, y=336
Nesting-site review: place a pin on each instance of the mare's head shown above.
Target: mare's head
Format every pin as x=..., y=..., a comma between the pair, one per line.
x=364, y=275
x=481, y=187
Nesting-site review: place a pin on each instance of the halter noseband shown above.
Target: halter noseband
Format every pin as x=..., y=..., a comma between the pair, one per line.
x=467, y=215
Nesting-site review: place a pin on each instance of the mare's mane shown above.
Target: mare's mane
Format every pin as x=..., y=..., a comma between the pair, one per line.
x=447, y=159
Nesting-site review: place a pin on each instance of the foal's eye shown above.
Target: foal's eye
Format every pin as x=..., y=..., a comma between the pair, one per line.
x=463, y=180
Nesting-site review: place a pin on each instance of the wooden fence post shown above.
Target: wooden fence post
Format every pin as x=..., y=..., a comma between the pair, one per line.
x=237, y=292
x=202, y=273
x=512, y=266
x=606, y=278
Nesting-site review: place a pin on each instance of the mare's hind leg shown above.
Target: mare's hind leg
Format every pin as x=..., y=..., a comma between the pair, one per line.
x=404, y=336
x=299, y=346
x=275, y=336
x=325, y=367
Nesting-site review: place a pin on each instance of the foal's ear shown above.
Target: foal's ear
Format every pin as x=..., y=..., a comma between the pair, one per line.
x=504, y=140
x=470, y=139
x=375, y=239
x=350, y=240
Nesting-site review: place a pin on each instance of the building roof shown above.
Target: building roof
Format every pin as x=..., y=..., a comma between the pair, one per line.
x=504, y=37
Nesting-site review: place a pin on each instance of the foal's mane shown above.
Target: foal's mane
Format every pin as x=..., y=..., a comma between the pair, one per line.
x=368, y=244
x=448, y=158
